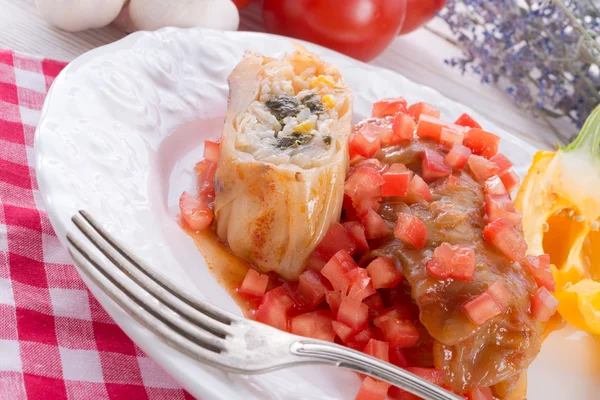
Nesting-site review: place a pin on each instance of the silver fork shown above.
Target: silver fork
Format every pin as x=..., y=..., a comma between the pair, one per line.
x=211, y=335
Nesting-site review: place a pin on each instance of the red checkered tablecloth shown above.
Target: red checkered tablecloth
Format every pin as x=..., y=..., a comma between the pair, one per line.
x=56, y=341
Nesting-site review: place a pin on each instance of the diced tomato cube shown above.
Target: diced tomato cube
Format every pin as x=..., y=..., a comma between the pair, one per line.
x=336, y=239
x=480, y=394
x=364, y=182
x=274, y=307
x=481, y=142
x=505, y=238
x=501, y=206
x=368, y=162
x=502, y=162
x=397, y=357
x=510, y=180
x=387, y=107
x=375, y=226
x=458, y=156
x=334, y=299
x=316, y=325
x=400, y=333
x=353, y=313
x=411, y=230
x=205, y=170
x=350, y=213
x=316, y=261
x=435, y=376
x=433, y=166
x=195, y=212
x=359, y=286
x=372, y=389
x=500, y=293
x=375, y=304
x=383, y=273
x=403, y=128
x=449, y=261
x=419, y=189
x=311, y=288
x=451, y=135
x=481, y=308
x=377, y=349
x=396, y=312
x=467, y=121
x=481, y=167
x=539, y=267
x=344, y=332
x=254, y=284
x=364, y=145
x=211, y=150
x=543, y=305
x=494, y=186
x=395, y=183
x=357, y=233
x=430, y=127
x=336, y=268
x=360, y=340
x=419, y=109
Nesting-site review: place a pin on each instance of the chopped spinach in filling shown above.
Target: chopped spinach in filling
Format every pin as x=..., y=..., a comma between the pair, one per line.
x=313, y=103
x=294, y=140
x=283, y=106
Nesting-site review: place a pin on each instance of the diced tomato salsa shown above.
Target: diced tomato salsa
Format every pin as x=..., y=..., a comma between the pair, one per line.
x=363, y=301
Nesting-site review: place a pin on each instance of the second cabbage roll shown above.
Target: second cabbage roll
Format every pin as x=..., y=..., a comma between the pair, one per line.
x=284, y=157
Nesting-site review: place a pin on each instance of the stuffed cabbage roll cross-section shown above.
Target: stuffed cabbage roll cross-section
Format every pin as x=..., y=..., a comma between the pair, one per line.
x=284, y=155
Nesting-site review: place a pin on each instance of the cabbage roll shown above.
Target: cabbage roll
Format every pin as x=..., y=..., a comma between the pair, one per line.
x=284, y=156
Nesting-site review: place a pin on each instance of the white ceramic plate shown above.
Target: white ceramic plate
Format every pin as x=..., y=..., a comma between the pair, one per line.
x=123, y=126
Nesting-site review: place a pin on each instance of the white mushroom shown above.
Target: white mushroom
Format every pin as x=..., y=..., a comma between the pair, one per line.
x=155, y=14
x=76, y=15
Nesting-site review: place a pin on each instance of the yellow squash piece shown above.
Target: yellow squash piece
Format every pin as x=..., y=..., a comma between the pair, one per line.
x=560, y=202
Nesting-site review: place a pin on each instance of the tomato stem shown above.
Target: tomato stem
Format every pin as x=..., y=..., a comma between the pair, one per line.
x=589, y=136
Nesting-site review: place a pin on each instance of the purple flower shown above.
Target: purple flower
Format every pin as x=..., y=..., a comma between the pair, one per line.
x=545, y=54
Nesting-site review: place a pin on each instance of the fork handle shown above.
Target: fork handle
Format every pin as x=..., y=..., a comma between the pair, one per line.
x=333, y=354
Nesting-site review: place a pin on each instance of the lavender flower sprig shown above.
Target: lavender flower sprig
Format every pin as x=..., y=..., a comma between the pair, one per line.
x=545, y=54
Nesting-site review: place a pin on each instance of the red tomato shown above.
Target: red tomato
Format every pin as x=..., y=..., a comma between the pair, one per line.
x=400, y=333
x=419, y=12
x=364, y=145
x=273, y=308
x=211, y=150
x=397, y=357
x=403, y=127
x=383, y=273
x=364, y=182
x=241, y=3
x=539, y=268
x=377, y=349
x=494, y=186
x=500, y=293
x=359, y=28
x=507, y=239
x=375, y=226
x=357, y=233
x=395, y=183
x=344, y=332
x=375, y=303
x=481, y=167
x=419, y=189
x=316, y=262
x=411, y=230
x=481, y=394
x=502, y=162
x=360, y=340
x=336, y=239
x=205, y=170
x=466, y=121
x=435, y=376
x=254, y=284
x=543, y=305
x=359, y=286
x=422, y=108
x=334, y=299
x=481, y=142
x=353, y=313
x=450, y=135
x=316, y=324
x=389, y=107
x=456, y=262
x=481, y=308
x=335, y=270
x=433, y=166
x=501, y=206
x=195, y=212
x=457, y=157
x=510, y=180
x=311, y=288
x=371, y=389
x=430, y=127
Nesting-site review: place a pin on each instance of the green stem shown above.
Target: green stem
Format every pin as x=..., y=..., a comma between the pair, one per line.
x=577, y=24
x=589, y=136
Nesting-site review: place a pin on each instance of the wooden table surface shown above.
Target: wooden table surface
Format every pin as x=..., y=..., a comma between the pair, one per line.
x=419, y=56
